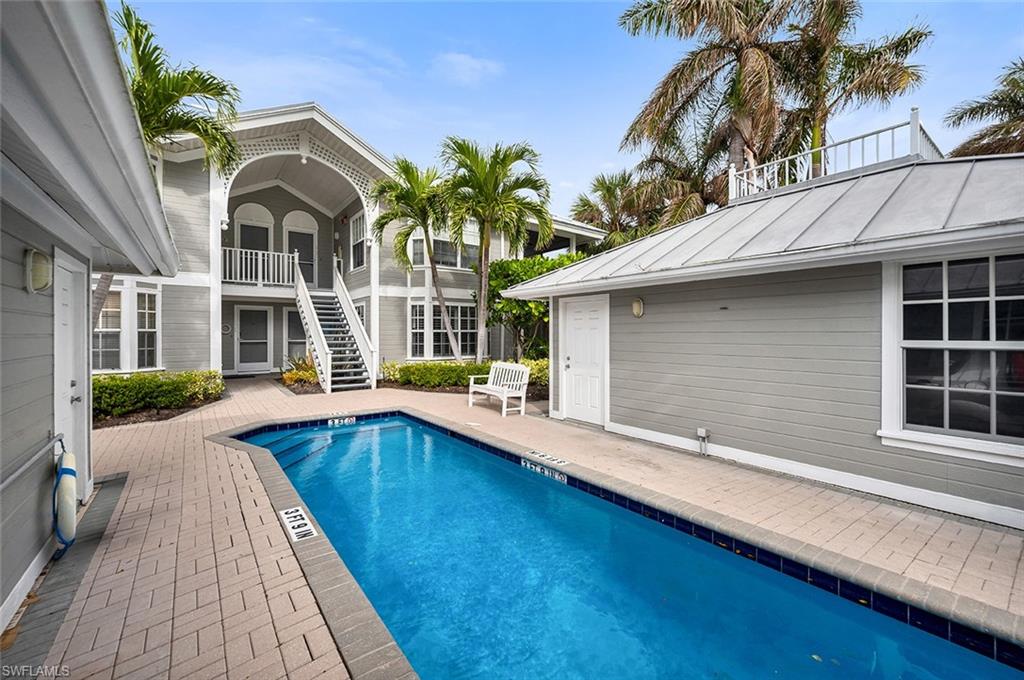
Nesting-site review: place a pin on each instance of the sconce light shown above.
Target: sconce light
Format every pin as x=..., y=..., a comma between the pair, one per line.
x=303, y=160
x=337, y=235
x=638, y=307
x=224, y=225
x=38, y=271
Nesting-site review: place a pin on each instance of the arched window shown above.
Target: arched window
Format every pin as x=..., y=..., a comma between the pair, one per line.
x=300, y=229
x=254, y=227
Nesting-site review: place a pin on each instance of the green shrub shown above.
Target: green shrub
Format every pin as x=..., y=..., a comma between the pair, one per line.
x=538, y=371
x=439, y=373
x=389, y=370
x=452, y=373
x=117, y=395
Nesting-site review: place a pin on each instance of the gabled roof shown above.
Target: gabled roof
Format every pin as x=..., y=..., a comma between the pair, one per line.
x=916, y=208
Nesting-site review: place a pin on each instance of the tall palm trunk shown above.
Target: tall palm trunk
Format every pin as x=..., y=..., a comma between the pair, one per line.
x=446, y=320
x=481, y=299
x=817, y=140
x=99, y=296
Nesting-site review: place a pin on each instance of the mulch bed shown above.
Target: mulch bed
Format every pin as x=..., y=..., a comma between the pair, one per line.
x=148, y=415
x=302, y=388
x=537, y=393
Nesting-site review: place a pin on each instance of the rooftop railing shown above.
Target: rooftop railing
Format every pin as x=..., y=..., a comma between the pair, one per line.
x=907, y=138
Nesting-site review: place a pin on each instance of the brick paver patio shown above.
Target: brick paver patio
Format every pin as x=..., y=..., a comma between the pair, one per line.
x=195, y=577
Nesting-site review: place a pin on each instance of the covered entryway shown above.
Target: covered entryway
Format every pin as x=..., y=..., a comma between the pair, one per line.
x=583, y=358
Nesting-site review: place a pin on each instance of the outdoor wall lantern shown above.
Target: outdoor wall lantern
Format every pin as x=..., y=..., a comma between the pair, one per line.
x=638, y=307
x=38, y=271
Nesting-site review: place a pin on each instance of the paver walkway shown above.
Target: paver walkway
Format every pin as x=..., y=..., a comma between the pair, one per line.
x=195, y=577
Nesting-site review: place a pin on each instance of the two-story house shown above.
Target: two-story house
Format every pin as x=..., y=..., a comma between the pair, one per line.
x=277, y=255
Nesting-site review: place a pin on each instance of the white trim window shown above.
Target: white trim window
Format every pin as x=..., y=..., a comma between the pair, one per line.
x=463, y=319
x=360, y=308
x=445, y=253
x=961, y=348
x=106, y=337
x=357, y=236
x=147, y=334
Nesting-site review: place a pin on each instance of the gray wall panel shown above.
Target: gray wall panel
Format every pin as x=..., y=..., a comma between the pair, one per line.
x=786, y=365
x=186, y=199
x=185, y=325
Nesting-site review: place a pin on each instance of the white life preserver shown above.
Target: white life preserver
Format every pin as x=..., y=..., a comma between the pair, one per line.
x=65, y=501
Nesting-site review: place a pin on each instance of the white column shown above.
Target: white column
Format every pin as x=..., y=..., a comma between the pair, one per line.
x=218, y=214
x=374, y=310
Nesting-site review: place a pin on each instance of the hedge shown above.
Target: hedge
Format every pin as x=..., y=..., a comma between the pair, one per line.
x=117, y=395
x=453, y=373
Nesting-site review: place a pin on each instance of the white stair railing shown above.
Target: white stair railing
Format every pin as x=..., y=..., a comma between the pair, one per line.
x=366, y=349
x=321, y=352
x=907, y=138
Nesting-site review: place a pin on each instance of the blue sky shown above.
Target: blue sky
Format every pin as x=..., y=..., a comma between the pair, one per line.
x=562, y=76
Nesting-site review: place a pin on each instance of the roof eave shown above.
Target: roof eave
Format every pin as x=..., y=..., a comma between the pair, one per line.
x=963, y=241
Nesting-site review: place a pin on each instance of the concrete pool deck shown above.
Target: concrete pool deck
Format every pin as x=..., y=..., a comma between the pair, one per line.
x=195, y=576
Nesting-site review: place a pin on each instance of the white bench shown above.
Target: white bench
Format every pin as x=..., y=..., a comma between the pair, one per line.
x=504, y=381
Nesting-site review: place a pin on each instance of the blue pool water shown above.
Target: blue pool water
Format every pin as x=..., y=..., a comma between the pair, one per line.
x=483, y=569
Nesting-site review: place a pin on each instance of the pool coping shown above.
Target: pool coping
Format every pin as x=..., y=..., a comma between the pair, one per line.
x=982, y=628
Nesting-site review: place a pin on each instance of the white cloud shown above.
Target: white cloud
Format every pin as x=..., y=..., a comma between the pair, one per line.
x=464, y=69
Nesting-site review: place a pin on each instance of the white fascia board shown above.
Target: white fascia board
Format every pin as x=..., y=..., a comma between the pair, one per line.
x=964, y=241
x=66, y=98
x=250, y=120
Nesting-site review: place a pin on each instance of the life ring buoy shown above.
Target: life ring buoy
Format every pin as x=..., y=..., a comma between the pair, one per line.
x=65, y=501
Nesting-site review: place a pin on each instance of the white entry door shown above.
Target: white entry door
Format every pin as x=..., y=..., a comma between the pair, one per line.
x=583, y=357
x=70, y=377
x=253, y=339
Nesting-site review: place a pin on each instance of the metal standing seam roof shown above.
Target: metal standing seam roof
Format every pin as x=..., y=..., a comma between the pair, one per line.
x=866, y=214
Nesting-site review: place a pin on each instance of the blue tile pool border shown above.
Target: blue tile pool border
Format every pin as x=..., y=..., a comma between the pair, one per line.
x=986, y=644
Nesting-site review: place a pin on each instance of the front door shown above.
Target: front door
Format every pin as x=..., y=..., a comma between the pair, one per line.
x=253, y=339
x=583, y=358
x=70, y=384
x=304, y=243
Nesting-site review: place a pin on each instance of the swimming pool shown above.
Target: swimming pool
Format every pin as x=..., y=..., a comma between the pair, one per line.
x=484, y=569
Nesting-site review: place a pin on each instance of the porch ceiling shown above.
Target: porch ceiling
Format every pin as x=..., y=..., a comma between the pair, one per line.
x=318, y=184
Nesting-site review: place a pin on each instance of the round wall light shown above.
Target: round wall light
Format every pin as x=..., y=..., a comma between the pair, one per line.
x=638, y=307
x=38, y=271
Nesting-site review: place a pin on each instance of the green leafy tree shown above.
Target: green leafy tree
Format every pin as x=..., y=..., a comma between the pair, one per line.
x=417, y=200
x=827, y=72
x=733, y=74
x=495, y=191
x=1003, y=109
x=172, y=100
x=674, y=180
x=526, y=319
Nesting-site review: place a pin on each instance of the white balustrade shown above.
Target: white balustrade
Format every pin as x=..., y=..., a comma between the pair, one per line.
x=258, y=267
x=366, y=348
x=889, y=143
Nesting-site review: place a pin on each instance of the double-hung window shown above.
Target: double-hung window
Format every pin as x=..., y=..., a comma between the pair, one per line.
x=295, y=335
x=962, y=347
x=357, y=232
x=146, y=330
x=445, y=253
x=463, y=320
x=106, y=338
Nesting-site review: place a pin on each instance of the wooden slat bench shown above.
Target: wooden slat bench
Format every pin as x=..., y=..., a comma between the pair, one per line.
x=504, y=381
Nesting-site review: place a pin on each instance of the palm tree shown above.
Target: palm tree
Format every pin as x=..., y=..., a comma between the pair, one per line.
x=612, y=205
x=1004, y=106
x=499, y=190
x=417, y=200
x=675, y=177
x=827, y=73
x=172, y=100
x=733, y=72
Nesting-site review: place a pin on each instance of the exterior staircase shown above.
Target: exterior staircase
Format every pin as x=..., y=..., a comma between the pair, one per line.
x=347, y=370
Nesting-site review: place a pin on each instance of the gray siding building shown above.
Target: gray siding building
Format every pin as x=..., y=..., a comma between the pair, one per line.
x=864, y=330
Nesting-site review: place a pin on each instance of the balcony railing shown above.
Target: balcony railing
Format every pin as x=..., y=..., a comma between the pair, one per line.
x=908, y=138
x=258, y=267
